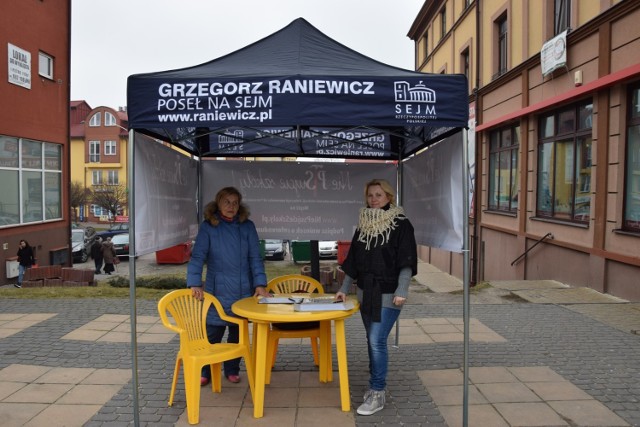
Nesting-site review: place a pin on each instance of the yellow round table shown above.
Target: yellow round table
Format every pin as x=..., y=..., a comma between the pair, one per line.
x=262, y=315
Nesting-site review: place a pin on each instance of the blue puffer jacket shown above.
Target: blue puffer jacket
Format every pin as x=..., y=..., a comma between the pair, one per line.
x=231, y=251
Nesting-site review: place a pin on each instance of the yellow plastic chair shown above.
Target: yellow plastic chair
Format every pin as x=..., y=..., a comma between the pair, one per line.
x=189, y=316
x=290, y=284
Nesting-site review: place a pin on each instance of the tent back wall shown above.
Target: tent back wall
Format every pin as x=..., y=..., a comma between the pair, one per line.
x=298, y=201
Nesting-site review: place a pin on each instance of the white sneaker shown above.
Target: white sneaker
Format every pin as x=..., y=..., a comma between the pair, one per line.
x=374, y=402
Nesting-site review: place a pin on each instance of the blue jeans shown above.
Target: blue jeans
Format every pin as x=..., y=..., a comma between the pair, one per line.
x=377, y=335
x=215, y=334
x=21, y=270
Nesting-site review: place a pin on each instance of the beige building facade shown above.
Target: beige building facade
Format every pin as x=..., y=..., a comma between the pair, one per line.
x=554, y=88
x=99, y=141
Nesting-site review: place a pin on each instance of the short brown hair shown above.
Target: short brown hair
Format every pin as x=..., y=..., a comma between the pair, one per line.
x=212, y=207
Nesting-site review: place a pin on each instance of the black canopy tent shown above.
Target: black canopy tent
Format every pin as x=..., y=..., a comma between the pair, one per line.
x=295, y=93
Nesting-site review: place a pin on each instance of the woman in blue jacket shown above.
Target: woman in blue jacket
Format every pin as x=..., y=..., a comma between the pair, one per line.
x=227, y=242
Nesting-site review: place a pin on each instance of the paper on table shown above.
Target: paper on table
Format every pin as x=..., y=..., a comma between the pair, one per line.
x=315, y=304
x=276, y=300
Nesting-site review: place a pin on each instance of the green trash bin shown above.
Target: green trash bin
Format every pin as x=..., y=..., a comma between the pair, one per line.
x=262, y=248
x=301, y=251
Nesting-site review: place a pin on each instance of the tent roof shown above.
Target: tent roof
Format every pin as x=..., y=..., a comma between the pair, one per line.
x=297, y=92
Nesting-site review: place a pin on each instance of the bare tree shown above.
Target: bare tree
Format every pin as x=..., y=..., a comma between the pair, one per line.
x=78, y=196
x=113, y=198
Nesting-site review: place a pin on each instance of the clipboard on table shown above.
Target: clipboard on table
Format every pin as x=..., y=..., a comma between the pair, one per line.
x=322, y=304
x=276, y=300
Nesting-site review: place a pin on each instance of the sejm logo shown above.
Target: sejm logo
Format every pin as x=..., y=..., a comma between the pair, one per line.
x=404, y=92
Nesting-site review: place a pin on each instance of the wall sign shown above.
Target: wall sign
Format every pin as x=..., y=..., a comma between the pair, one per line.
x=19, y=62
x=554, y=54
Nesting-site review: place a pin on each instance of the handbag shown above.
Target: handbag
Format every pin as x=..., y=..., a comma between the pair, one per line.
x=116, y=261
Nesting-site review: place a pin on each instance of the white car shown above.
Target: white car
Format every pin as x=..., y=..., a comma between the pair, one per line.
x=328, y=249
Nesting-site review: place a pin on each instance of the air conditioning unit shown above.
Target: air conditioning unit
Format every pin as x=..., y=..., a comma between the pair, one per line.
x=12, y=269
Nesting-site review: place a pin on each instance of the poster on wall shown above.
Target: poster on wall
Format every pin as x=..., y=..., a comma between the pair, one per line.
x=554, y=54
x=298, y=201
x=19, y=62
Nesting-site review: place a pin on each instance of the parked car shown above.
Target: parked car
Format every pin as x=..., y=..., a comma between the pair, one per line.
x=121, y=244
x=80, y=245
x=117, y=228
x=275, y=249
x=328, y=249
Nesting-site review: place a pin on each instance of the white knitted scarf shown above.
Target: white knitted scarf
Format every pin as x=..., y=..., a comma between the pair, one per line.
x=375, y=225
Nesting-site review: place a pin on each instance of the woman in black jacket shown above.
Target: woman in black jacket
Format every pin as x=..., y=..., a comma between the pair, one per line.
x=382, y=258
x=25, y=258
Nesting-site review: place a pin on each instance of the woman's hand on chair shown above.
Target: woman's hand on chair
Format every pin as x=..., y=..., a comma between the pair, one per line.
x=261, y=291
x=341, y=296
x=197, y=292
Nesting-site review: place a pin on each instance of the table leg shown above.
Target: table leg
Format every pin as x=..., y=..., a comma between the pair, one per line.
x=343, y=372
x=261, y=364
x=325, y=351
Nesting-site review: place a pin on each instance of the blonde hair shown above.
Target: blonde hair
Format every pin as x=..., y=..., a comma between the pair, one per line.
x=213, y=206
x=386, y=187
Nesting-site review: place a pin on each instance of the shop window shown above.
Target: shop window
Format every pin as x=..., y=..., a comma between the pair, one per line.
x=631, y=220
x=564, y=164
x=32, y=181
x=503, y=169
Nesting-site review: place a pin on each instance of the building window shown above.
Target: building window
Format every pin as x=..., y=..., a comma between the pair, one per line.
x=564, y=164
x=99, y=211
x=96, y=120
x=502, y=46
x=94, y=151
x=425, y=46
x=561, y=15
x=443, y=22
x=31, y=174
x=45, y=65
x=503, y=169
x=109, y=148
x=112, y=178
x=632, y=182
x=109, y=119
x=464, y=63
x=96, y=177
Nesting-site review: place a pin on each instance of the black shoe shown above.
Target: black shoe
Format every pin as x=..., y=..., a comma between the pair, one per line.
x=17, y=285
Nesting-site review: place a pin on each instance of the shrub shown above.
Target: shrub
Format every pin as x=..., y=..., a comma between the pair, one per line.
x=151, y=282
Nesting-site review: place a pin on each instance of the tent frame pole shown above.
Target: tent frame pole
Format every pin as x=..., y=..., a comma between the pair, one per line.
x=465, y=274
x=399, y=188
x=132, y=279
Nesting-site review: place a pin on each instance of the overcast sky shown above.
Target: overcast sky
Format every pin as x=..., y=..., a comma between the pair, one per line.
x=111, y=40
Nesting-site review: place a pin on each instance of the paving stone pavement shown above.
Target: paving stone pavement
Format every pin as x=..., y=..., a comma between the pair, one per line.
x=587, y=342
